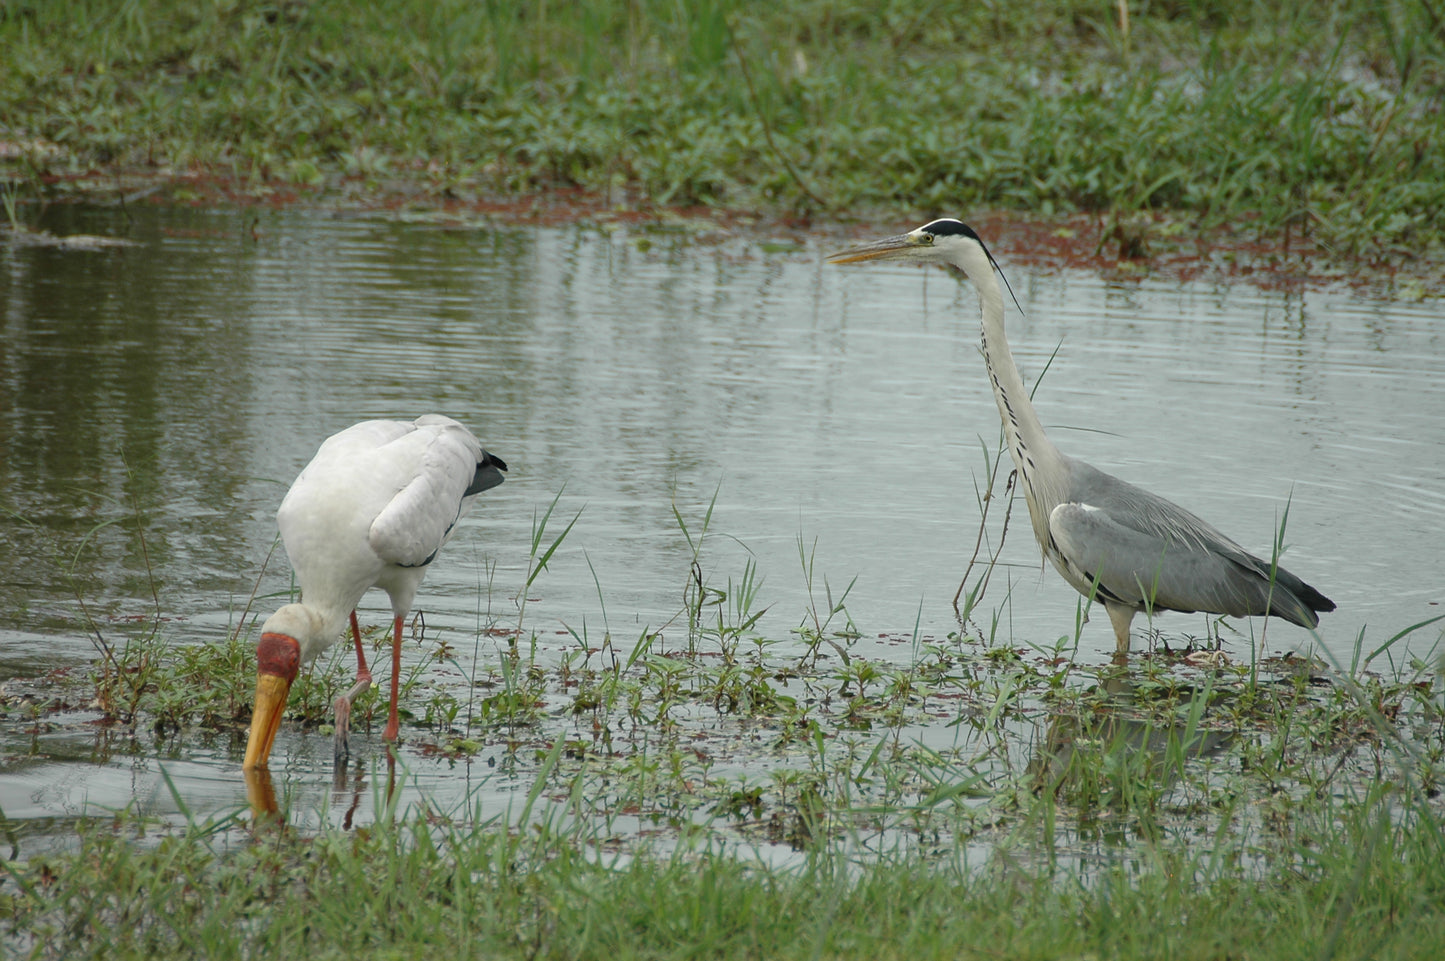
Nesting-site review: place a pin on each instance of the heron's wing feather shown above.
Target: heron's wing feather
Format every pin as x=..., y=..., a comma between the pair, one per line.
x=1164, y=569
x=434, y=466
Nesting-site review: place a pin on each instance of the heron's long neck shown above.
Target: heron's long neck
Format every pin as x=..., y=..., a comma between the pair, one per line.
x=1030, y=448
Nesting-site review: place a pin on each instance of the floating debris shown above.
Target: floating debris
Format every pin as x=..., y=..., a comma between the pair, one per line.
x=25, y=237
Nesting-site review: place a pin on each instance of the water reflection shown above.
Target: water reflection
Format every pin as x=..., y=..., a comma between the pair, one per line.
x=349, y=791
x=1116, y=754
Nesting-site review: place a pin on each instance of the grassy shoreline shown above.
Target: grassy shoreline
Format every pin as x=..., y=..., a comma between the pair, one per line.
x=1314, y=122
x=1372, y=889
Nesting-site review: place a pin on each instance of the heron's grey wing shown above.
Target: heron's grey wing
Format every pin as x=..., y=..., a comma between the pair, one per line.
x=434, y=466
x=1157, y=570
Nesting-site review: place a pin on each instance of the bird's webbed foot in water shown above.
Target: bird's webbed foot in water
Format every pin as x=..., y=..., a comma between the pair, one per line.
x=341, y=748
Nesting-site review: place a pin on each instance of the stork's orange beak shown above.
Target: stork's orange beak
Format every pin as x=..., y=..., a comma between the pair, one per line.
x=277, y=661
x=271, y=692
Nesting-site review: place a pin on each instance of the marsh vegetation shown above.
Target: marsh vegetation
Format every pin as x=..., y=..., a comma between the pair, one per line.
x=966, y=794
x=1313, y=120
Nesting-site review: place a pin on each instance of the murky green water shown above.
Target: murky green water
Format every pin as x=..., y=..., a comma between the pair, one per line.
x=184, y=381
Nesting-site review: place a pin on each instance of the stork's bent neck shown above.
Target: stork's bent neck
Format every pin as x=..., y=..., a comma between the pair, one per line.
x=313, y=629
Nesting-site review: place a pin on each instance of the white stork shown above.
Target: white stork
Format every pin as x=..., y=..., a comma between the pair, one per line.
x=372, y=509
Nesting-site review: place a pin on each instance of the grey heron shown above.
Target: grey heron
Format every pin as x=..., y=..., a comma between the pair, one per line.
x=1114, y=542
x=371, y=509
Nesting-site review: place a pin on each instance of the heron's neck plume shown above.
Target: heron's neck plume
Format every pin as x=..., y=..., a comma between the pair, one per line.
x=1027, y=443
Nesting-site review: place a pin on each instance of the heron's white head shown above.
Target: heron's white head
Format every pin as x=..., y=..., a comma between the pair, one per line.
x=943, y=241
x=948, y=242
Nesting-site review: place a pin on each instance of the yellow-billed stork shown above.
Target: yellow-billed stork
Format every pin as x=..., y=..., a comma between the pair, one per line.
x=372, y=509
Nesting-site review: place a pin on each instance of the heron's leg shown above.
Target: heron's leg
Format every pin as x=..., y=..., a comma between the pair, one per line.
x=342, y=707
x=393, y=722
x=1120, y=615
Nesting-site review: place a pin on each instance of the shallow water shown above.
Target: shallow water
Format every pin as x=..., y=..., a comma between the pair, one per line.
x=185, y=380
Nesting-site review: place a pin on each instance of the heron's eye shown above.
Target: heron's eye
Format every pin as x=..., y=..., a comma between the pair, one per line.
x=926, y=239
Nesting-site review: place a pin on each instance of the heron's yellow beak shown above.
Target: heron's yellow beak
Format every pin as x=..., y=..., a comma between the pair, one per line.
x=271, y=691
x=884, y=249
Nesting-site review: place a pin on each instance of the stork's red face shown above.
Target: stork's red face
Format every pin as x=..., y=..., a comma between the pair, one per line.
x=278, y=658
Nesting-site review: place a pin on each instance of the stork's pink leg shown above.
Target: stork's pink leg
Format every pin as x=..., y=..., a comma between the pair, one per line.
x=342, y=706
x=393, y=723
x=361, y=670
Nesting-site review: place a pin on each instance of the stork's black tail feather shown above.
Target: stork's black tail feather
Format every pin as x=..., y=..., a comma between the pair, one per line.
x=488, y=475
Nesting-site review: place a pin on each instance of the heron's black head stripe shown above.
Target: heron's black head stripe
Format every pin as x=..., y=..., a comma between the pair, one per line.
x=948, y=227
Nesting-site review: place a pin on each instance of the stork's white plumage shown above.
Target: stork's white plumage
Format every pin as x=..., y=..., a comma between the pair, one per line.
x=372, y=509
